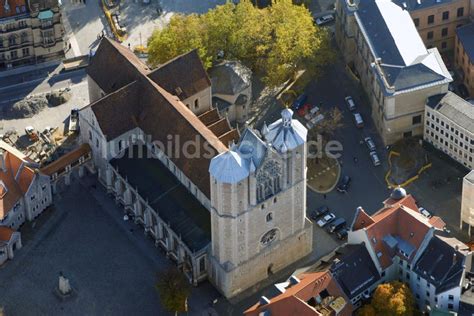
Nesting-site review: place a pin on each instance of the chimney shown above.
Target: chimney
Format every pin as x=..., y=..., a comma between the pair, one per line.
x=3, y=165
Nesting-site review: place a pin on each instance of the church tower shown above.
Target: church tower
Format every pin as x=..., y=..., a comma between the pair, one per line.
x=258, y=206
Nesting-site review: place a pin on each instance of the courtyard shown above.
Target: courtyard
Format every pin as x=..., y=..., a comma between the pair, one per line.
x=111, y=264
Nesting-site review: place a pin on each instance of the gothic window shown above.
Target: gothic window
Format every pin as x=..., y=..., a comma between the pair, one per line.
x=268, y=237
x=268, y=180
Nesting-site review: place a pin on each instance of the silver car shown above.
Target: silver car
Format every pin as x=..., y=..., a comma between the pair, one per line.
x=370, y=143
x=375, y=158
x=324, y=19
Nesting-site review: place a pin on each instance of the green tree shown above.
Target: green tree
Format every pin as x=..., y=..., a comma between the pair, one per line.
x=173, y=289
x=392, y=299
x=276, y=41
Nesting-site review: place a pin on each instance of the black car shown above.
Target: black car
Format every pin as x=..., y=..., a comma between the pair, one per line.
x=336, y=225
x=341, y=233
x=462, y=91
x=320, y=211
x=344, y=184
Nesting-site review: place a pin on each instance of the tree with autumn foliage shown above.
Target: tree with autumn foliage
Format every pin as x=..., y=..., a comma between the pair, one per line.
x=390, y=299
x=174, y=290
x=276, y=41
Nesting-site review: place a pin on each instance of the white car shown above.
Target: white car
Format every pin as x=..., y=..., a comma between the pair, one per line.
x=370, y=143
x=324, y=19
x=350, y=103
x=425, y=212
x=375, y=158
x=326, y=220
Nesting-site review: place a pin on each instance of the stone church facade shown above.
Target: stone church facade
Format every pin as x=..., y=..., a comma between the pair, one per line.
x=235, y=212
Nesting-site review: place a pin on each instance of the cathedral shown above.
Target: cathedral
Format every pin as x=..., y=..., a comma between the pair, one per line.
x=232, y=212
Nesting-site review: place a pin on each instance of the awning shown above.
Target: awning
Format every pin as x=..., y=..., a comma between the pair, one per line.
x=45, y=15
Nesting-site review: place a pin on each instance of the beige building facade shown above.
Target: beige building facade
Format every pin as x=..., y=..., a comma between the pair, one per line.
x=30, y=32
x=464, y=55
x=437, y=20
x=382, y=47
x=467, y=202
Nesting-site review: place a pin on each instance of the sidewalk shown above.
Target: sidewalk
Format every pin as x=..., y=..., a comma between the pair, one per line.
x=29, y=68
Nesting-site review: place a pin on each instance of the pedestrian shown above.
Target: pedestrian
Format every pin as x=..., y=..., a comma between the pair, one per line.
x=84, y=1
x=324, y=196
x=70, y=46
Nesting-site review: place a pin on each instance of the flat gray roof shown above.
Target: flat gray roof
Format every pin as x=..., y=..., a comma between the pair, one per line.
x=455, y=108
x=186, y=216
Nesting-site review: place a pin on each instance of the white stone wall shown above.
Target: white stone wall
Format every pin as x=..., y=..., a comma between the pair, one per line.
x=38, y=197
x=95, y=92
x=199, y=102
x=16, y=216
x=438, y=130
x=467, y=202
x=239, y=258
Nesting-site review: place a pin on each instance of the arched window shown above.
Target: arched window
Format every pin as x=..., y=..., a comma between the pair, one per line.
x=268, y=180
x=269, y=217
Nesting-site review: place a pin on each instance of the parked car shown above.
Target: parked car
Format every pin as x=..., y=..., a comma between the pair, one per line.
x=324, y=19
x=326, y=219
x=375, y=158
x=320, y=211
x=299, y=102
x=425, y=212
x=350, y=103
x=344, y=184
x=359, y=122
x=336, y=225
x=341, y=234
x=370, y=143
x=311, y=113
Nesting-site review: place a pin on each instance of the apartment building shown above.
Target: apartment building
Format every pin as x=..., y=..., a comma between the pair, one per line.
x=381, y=45
x=24, y=191
x=449, y=127
x=464, y=55
x=437, y=20
x=467, y=202
x=30, y=32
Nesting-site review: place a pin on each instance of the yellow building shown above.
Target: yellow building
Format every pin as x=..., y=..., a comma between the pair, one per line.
x=30, y=32
x=437, y=20
x=382, y=46
x=464, y=55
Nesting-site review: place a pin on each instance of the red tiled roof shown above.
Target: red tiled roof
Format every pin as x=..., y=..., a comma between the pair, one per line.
x=183, y=76
x=437, y=222
x=15, y=181
x=361, y=220
x=66, y=159
x=293, y=300
x=14, y=4
x=401, y=219
x=6, y=233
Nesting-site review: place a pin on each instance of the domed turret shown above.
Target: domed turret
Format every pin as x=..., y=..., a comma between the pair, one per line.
x=229, y=167
x=398, y=193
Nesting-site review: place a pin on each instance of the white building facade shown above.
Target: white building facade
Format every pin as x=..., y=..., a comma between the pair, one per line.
x=449, y=127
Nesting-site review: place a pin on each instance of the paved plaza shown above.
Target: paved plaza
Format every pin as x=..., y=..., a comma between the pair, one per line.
x=111, y=264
